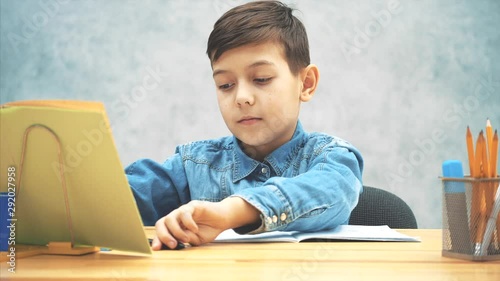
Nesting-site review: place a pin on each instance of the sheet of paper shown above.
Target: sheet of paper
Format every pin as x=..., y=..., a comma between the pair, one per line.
x=342, y=232
x=274, y=236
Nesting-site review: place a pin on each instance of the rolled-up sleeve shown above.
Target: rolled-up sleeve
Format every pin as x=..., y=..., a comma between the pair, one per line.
x=158, y=188
x=320, y=198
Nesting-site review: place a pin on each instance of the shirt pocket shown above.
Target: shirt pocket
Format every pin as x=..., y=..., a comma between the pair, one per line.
x=314, y=212
x=208, y=184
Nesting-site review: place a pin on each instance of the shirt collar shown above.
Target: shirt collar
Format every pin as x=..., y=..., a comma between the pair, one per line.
x=279, y=159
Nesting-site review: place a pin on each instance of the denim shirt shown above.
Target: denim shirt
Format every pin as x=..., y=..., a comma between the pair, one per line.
x=310, y=183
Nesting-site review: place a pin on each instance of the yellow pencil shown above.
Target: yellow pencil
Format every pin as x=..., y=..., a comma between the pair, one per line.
x=482, y=168
x=489, y=138
x=487, y=158
x=494, y=173
x=494, y=156
x=470, y=152
x=477, y=197
x=492, y=140
x=475, y=212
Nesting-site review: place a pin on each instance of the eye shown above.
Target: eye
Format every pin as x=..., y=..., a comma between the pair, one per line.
x=225, y=87
x=262, y=80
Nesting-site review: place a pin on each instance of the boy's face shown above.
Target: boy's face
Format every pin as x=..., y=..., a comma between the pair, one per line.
x=258, y=96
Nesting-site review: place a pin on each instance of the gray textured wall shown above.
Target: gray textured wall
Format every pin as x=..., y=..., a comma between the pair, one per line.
x=402, y=89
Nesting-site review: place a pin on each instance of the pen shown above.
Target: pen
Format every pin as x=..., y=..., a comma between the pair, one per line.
x=179, y=246
x=488, y=234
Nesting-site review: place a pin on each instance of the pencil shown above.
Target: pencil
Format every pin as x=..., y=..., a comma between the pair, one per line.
x=478, y=196
x=490, y=168
x=481, y=167
x=494, y=156
x=494, y=173
x=488, y=188
x=489, y=138
x=470, y=151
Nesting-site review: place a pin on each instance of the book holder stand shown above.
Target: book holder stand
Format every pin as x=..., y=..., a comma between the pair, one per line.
x=56, y=247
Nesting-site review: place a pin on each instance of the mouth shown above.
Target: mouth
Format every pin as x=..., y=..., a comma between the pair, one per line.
x=248, y=120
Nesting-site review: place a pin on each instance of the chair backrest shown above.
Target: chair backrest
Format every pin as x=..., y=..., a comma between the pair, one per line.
x=381, y=207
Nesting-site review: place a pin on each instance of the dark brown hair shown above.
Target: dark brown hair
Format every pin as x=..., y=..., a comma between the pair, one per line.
x=260, y=22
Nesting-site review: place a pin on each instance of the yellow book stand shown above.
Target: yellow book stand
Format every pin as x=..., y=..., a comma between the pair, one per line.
x=71, y=193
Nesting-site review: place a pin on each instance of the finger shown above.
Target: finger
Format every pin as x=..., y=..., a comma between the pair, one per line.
x=188, y=221
x=163, y=236
x=173, y=225
x=160, y=246
x=194, y=239
x=156, y=244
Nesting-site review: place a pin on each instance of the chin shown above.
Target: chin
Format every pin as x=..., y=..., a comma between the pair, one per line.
x=255, y=140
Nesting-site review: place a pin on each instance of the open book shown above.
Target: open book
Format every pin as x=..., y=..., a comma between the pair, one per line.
x=68, y=181
x=341, y=232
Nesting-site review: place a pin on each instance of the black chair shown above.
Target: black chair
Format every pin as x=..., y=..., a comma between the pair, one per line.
x=381, y=207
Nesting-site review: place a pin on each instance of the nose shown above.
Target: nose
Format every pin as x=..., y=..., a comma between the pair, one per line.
x=244, y=96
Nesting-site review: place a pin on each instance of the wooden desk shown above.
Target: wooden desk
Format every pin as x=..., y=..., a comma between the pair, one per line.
x=277, y=261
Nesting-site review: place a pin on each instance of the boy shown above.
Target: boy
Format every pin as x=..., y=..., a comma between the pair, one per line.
x=271, y=174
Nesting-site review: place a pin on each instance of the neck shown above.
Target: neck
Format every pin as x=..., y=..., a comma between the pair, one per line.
x=256, y=153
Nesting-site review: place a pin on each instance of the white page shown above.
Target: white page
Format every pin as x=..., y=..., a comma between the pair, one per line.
x=342, y=232
x=359, y=233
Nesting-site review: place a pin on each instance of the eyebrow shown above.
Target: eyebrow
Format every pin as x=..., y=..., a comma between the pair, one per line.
x=253, y=65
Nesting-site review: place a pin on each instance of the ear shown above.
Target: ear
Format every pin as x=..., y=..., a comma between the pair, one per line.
x=310, y=78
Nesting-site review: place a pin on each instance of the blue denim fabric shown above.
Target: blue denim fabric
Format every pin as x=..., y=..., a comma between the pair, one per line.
x=310, y=183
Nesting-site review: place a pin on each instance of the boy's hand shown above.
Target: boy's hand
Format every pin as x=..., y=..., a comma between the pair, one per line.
x=200, y=222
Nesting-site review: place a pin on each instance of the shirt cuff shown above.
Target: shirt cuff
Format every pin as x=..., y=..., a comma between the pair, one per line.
x=275, y=212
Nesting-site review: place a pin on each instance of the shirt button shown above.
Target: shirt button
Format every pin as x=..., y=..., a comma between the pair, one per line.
x=264, y=170
x=275, y=219
x=269, y=220
x=283, y=216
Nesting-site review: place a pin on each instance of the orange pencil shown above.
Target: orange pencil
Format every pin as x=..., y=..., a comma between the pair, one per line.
x=479, y=207
x=475, y=211
x=492, y=165
x=480, y=167
x=489, y=192
x=488, y=188
x=470, y=152
x=476, y=195
x=489, y=138
x=494, y=173
x=484, y=171
x=494, y=156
